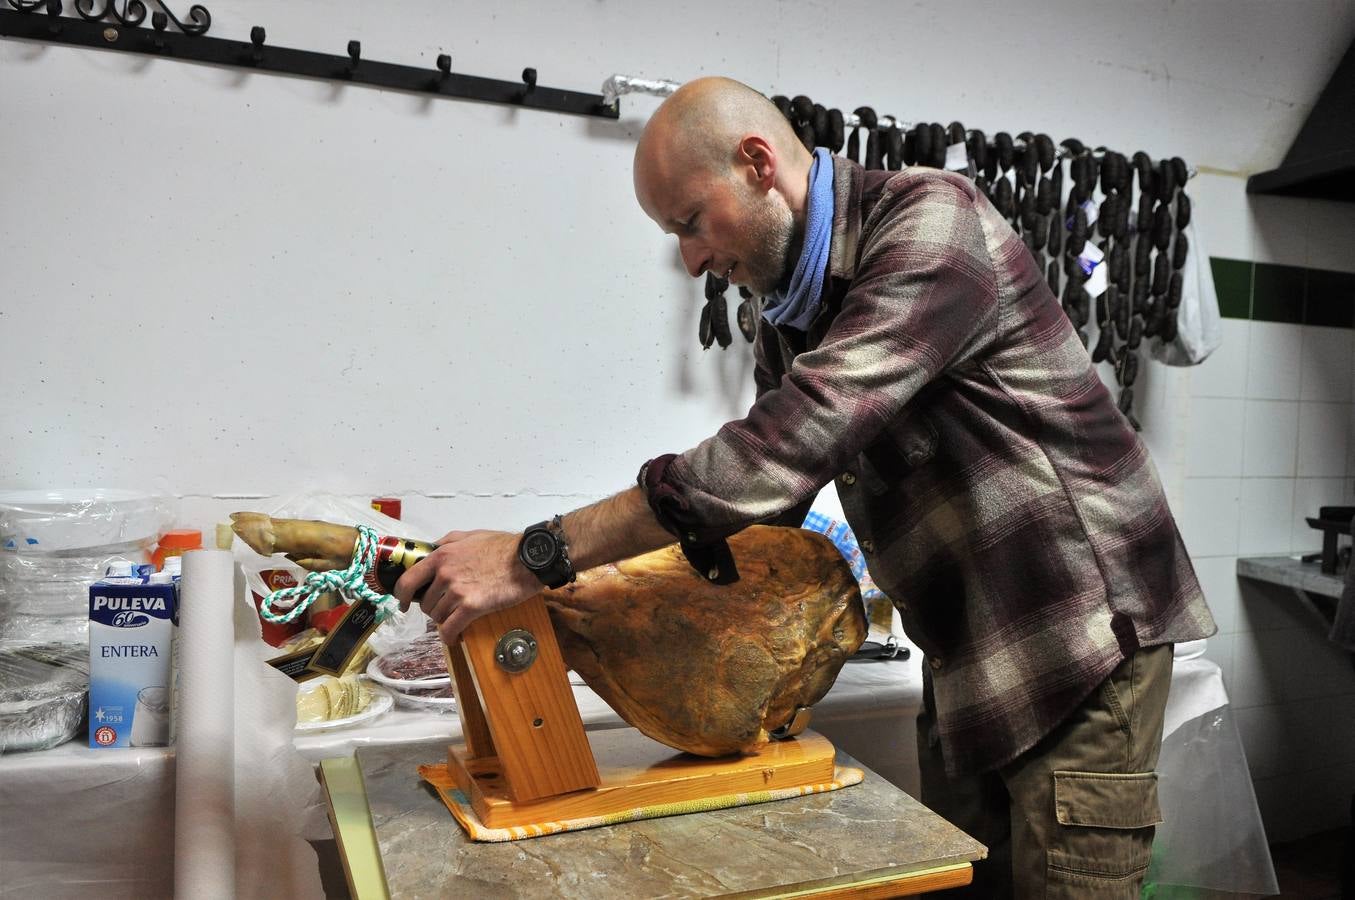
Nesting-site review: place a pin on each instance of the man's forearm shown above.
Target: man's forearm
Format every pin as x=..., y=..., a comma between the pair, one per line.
x=617, y=528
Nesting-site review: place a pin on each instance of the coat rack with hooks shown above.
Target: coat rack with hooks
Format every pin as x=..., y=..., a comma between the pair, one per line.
x=106, y=25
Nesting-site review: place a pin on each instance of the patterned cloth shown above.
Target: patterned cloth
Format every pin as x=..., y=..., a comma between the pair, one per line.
x=840, y=533
x=460, y=805
x=1001, y=499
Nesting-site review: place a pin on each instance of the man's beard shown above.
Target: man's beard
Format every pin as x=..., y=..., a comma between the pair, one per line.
x=773, y=233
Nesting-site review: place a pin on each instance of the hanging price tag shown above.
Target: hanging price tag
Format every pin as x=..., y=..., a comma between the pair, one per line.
x=957, y=158
x=1096, y=284
x=1091, y=210
x=1092, y=261
x=1090, y=257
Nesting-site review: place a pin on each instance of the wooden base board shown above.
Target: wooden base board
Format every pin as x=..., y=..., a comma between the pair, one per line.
x=637, y=772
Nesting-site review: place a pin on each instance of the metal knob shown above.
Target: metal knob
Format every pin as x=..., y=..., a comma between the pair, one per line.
x=516, y=650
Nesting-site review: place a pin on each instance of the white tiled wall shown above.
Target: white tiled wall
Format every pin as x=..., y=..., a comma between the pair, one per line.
x=1269, y=440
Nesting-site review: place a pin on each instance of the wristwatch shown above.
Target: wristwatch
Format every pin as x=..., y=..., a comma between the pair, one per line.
x=544, y=552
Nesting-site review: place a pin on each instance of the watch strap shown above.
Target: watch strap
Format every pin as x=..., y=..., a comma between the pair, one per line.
x=560, y=571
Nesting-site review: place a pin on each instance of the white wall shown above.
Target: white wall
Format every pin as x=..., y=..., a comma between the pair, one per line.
x=266, y=284
x=225, y=285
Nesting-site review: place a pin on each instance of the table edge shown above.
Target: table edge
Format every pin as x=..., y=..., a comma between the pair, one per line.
x=868, y=885
x=350, y=815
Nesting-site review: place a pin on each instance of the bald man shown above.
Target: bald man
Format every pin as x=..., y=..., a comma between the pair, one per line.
x=910, y=349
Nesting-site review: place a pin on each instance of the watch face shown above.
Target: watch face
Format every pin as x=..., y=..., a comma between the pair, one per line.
x=538, y=550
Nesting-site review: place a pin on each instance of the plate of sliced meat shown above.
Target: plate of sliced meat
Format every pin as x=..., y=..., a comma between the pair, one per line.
x=419, y=665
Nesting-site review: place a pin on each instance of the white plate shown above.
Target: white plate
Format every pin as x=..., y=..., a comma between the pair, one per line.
x=381, y=702
x=404, y=684
x=436, y=704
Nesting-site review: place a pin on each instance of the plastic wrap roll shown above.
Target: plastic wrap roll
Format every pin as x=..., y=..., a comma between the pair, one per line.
x=204, y=804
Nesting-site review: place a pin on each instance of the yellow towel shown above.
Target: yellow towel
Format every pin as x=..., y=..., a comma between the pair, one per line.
x=459, y=804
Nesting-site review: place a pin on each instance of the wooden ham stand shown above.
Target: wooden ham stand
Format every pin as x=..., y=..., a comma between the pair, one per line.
x=525, y=758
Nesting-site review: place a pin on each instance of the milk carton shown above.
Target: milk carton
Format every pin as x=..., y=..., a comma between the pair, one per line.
x=132, y=625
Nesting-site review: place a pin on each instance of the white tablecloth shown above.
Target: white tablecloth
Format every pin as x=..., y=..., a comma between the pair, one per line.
x=80, y=822
x=75, y=820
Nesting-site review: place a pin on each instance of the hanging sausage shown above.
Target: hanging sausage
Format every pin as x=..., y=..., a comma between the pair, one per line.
x=1122, y=219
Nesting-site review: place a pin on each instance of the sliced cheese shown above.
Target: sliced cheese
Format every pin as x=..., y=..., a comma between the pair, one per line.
x=331, y=699
x=312, y=705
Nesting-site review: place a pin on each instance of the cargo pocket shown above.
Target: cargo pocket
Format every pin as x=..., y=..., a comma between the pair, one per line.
x=1104, y=836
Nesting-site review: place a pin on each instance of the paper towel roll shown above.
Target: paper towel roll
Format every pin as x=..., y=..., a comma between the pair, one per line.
x=204, y=805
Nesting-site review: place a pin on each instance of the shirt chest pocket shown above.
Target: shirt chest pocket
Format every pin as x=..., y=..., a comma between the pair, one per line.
x=907, y=444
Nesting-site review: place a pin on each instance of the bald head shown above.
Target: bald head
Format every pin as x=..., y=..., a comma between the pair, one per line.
x=702, y=123
x=718, y=156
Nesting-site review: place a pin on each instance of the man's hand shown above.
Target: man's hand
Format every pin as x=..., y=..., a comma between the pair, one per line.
x=470, y=573
x=475, y=572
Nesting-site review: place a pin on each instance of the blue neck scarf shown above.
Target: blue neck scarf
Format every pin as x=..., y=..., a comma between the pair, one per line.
x=797, y=306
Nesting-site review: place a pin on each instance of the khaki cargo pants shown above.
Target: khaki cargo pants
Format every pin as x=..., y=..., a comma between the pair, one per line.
x=1073, y=817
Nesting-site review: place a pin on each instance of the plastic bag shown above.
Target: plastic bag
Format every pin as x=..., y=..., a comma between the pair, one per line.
x=44, y=689
x=1199, y=327
x=399, y=628
x=1212, y=838
x=416, y=663
x=263, y=575
x=417, y=675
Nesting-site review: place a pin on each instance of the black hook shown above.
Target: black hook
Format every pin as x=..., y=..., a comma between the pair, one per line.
x=444, y=69
x=256, y=37
x=529, y=79
x=354, y=54
x=158, y=22
x=54, y=10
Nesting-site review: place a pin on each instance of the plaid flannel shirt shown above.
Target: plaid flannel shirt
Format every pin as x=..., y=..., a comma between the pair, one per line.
x=1003, y=502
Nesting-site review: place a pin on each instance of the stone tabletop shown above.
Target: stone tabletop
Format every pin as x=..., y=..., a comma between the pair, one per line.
x=869, y=830
x=1290, y=571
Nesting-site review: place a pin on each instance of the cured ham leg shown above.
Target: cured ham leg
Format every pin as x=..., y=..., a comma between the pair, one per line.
x=704, y=668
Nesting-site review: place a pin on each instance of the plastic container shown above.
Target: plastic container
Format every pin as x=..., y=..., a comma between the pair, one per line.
x=55, y=543
x=64, y=520
x=176, y=543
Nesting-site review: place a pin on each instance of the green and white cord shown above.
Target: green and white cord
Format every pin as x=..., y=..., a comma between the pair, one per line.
x=350, y=583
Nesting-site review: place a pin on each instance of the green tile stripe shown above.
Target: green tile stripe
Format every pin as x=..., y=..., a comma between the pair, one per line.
x=1277, y=293
x=1232, y=284
x=1266, y=292
x=1331, y=299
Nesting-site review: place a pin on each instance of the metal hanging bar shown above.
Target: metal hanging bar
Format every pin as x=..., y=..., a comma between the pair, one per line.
x=617, y=85
x=614, y=87
x=108, y=27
